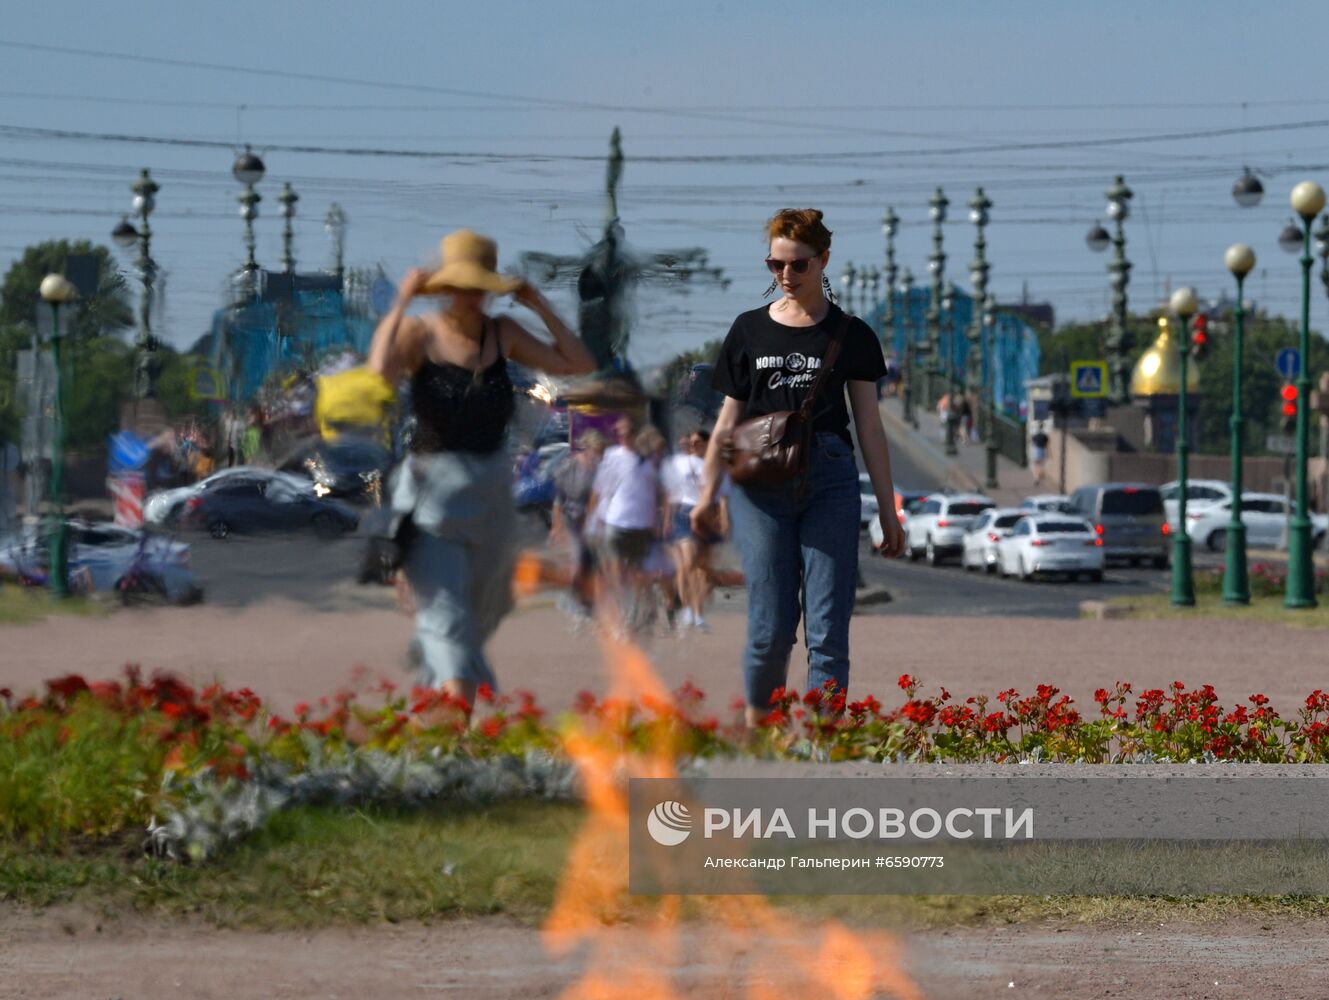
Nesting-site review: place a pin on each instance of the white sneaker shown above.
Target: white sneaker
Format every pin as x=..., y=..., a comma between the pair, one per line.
x=686, y=618
x=699, y=623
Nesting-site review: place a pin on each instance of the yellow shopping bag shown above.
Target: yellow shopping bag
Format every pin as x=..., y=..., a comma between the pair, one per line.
x=354, y=400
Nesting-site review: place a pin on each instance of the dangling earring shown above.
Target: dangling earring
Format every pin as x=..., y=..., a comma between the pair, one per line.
x=775, y=283
x=826, y=288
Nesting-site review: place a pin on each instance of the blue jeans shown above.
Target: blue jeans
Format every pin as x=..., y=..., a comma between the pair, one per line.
x=791, y=544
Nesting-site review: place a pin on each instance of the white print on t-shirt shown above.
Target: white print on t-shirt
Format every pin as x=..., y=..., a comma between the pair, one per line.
x=793, y=363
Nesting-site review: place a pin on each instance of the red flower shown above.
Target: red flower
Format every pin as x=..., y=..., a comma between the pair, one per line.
x=906, y=682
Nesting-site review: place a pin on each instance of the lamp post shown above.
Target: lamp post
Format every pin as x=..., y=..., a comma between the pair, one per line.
x=906, y=287
x=952, y=383
x=126, y=235
x=1183, y=305
x=874, y=286
x=864, y=305
x=1247, y=191
x=847, y=281
x=335, y=223
x=248, y=169
x=288, y=198
x=989, y=322
x=56, y=289
x=1240, y=259
x=1307, y=201
x=978, y=276
x=937, y=271
x=889, y=225
x=1118, y=340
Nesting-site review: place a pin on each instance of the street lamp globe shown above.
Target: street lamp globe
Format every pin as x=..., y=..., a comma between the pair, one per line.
x=57, y=289
x=889, y=222
x=248, y=168
x=906, y=282
x=1247, y=191
x=1183, y=302
x=124, y=234
x=1290, y=238
x=1240, y=259
x=1098, y=238
x=937, y=206
x=1307, y=199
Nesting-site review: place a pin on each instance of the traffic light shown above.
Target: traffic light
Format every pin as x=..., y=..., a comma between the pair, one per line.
x=1289, y=394
x=1200, y=337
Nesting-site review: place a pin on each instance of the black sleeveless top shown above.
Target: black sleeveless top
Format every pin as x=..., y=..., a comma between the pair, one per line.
x=457, y=409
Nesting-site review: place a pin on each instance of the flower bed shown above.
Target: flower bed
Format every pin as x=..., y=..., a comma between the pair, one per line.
x=198, y=768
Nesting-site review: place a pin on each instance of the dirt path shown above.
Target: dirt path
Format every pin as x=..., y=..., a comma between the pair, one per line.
x=289, y=653
x=67, y=953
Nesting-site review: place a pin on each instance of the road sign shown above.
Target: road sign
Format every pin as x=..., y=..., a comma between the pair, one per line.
x=1088, y=379
x=1281, y=444
x=127, y=452
x=1288, y=362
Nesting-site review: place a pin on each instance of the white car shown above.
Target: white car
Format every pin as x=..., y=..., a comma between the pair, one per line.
x=867, y=499
x=164, y=506
x=1265, y=516
x=1052, y=543
x=937, y=529
x=1200, y=493
x=982, y=539
x=1056, y=503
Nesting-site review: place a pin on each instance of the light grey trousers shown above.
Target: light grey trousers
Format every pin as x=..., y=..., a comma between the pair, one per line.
x=460, y=562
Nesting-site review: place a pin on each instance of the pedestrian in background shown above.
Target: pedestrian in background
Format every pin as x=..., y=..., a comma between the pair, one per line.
x=799, y=539
x=456, y=485
x=573, y=480
x=1038, y=454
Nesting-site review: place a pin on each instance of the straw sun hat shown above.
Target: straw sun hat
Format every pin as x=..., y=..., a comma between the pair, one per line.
x=469, y=263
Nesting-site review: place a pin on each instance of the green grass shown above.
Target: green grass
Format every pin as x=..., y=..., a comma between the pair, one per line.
x=24, y=605
x=1261, y=609
x=320, y=867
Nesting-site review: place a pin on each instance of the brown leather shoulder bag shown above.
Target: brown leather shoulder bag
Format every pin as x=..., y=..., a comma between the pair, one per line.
x=773, y=448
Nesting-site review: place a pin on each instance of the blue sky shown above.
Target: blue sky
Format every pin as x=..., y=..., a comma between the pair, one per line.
x=921, y=91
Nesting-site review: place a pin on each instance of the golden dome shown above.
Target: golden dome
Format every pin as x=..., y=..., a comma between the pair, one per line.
x=1158, y=372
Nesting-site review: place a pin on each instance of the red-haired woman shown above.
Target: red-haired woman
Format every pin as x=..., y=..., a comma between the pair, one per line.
x=801, y=540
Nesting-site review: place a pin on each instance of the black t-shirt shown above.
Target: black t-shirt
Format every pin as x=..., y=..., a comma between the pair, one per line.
x=771, y=367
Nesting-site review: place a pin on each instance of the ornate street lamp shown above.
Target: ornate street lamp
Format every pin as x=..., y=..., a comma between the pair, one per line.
x=874, y=284
x=1240, y=260
x=864, y=306
x=1118, y=341
x=335, y=223
x=847, y=280
x=978, y=325
x=288, y=198
x=953, y=386
x=126, y=235
x=1183, y=306
x=248, y=169
x=907, y=287
x=1307, y=201
x=1247, y=191
x=890, y=223
x=990, y=442
x=57, y=290
x=937, y=271
x=1289, y=238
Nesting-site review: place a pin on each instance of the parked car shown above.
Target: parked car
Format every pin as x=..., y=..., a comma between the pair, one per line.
x=1056, y=503
x=1052, y=543
x=907, y=502
x=107, y=557
x=867, y=500
x=252, y=506
x=1129, y=518
x=982, y=539
x=1265, y=516
x=165, y=506
x=1199, y=493
x=937, y=529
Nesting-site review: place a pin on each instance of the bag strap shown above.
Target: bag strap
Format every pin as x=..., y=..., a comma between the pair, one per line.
x=832, y=355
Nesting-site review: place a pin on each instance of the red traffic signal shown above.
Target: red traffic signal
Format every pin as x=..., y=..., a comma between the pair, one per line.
x=1289, y=409
x=1200, y=336
x=1289, y=393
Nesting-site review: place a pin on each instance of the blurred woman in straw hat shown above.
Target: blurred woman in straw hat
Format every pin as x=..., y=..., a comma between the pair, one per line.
x=456, y=486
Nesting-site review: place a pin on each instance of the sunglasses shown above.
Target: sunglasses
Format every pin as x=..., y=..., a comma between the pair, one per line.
x=799, y=266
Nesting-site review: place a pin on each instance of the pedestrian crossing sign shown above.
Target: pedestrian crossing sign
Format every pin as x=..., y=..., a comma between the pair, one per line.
x=1089, y=379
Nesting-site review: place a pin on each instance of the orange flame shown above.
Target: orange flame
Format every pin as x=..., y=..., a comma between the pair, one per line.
x=739, y=944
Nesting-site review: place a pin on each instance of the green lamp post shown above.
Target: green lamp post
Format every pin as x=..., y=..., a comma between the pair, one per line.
x=1183, y=305
x=1240, y=260
x=979, y=269
x=1118, y=340
x=1307, y=201
x=249, y=169
x=56, y=289
x=889, y=225
x=937, y=272
x=952, y=383
x=906, y=287
x=288, y=198
x=847, y=281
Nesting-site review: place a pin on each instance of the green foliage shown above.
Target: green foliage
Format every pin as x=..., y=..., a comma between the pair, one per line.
x=677, y=367
x=107, y=312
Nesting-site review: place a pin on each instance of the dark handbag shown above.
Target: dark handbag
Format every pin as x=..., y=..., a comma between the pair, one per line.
x=773, y=448
x=389, y=538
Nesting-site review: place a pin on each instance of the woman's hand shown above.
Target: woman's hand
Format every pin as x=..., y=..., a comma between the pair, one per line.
x=529, y=296
x=412, y=284
x=892, y=534
x=703, y=519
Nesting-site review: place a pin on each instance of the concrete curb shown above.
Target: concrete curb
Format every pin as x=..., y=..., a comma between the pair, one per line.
x=932, y=459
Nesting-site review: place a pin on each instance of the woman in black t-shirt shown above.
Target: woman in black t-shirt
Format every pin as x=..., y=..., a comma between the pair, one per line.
x=801, y=542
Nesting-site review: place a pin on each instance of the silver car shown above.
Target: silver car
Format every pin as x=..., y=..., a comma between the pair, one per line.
x=982, y=540
x=937, y=530
x=1129, y=518
x=1052, y=543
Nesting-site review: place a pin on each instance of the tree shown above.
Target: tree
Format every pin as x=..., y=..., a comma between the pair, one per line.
x=108, y=311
